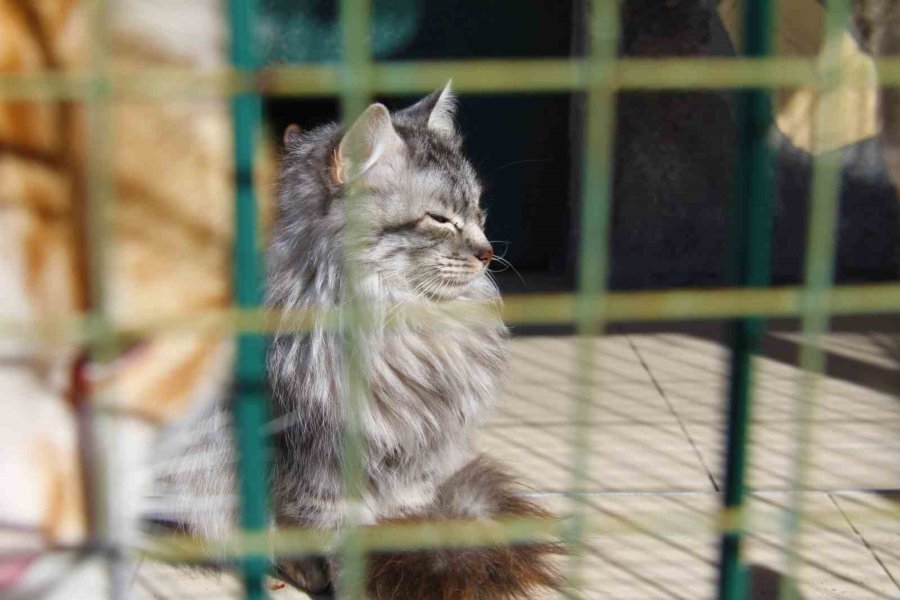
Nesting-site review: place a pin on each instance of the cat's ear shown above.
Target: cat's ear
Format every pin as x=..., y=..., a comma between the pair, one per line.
x=436, y=111
x=291, y=135
x=371, y=138
x=442, y=117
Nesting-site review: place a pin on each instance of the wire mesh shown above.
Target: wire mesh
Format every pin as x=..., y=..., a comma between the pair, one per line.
x=599, y=76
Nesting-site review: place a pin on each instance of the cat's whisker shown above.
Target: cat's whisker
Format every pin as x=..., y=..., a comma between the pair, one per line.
x=426, y=288
x=395, y=312
x=431, y=287
x=509, y=265
x=427, y=276
x=505, y=249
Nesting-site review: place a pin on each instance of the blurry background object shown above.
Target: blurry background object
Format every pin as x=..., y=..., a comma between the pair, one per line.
x=169, y=255
x=674, y=149
x=800, y=30
x=878, y=23
x=869, y=225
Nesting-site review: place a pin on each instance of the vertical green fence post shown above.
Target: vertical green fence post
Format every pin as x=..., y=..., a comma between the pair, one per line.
x=250, y=408
x=818, y=271
x=751, y=265
x=356, y=86
x=104, y=505
x=593, y=251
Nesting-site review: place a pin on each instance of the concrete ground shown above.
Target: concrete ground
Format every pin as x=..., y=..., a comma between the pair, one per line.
x=655, y=468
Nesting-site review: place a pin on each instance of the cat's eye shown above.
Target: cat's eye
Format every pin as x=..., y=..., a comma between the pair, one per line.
x=438, y=218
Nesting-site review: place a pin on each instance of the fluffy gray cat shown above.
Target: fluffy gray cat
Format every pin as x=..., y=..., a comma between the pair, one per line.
x=421, y=242
x=427, y=375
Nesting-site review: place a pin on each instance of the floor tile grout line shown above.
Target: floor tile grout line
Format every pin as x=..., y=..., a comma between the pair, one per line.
x=571, y=375
x=634, y=573
x=863, y=539
x=872, y=353
x=675, y=414
x=150, y=585
x=546, y=456
x=824, y=568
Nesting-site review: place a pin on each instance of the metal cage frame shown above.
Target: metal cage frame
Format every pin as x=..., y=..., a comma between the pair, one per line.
x=599, y=75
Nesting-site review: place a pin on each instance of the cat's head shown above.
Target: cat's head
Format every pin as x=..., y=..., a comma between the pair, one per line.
x=418, y=197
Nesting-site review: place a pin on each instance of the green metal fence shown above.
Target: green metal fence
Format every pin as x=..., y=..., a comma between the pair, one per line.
x=599, y=75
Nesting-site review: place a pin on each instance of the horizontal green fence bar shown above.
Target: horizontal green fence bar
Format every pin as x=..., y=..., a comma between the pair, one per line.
x=290, y=541
x=523, y=309
x=470, y=76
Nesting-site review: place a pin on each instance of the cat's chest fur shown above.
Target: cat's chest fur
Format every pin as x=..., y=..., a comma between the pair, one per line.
x=428, y=383
x=425, y=386
x=426, y=389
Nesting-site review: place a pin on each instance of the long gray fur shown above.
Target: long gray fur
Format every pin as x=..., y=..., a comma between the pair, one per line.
x=426, y=383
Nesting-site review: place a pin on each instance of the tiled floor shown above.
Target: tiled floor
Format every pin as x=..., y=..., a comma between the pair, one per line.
x=656, y=437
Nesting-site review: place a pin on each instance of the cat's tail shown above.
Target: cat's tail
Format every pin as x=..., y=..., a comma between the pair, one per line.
x=483, y=491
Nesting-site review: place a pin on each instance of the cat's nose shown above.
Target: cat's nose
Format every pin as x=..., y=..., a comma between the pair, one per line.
x=484, y=254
